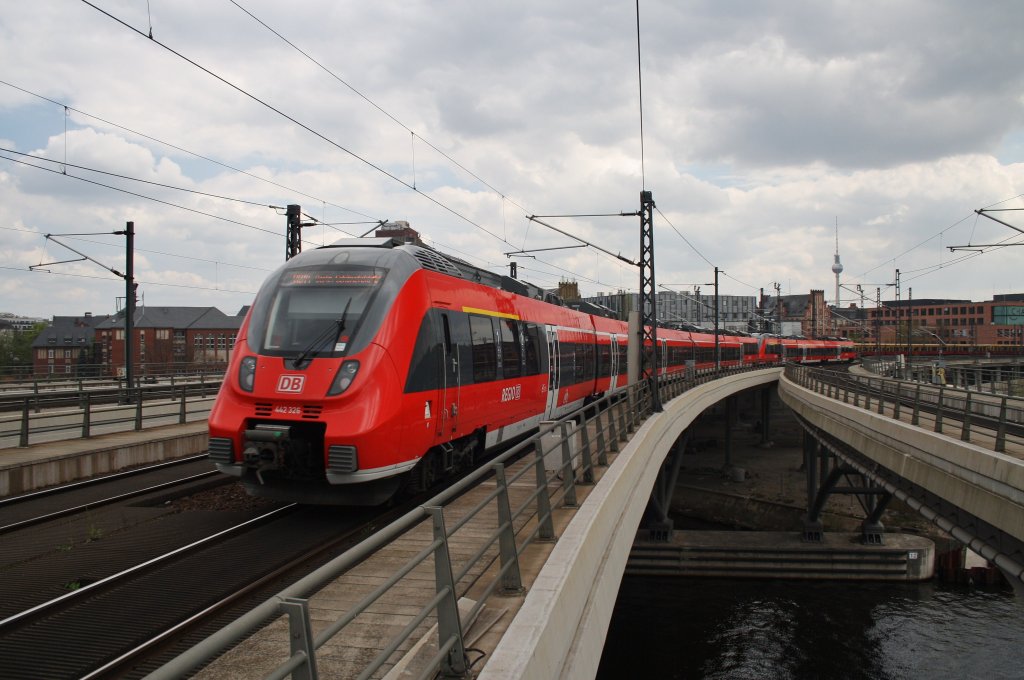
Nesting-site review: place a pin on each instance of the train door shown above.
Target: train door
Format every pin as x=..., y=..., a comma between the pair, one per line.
x=663, y=359
x=553, y=370
x=451, y=385
x=613, y=356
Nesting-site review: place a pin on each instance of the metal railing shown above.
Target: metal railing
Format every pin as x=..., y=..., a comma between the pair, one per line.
x=599, y=427
x=39, y=420
x=1001, y=417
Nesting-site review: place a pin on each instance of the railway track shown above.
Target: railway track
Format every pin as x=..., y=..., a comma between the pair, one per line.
x=102, y=605
x=38, y=507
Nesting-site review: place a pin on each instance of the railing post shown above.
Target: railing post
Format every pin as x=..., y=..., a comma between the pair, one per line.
x=585, y=457
x=916, y=418
x=632, y=399
x=35, y=392
x=300, y=631
x=624, y=404
x=568, y=474
x=1001, y=429
x=867, y=396
x=449, y=625
x=881, y=397
x=896, y=402
x=183, y=411
x=613, y=428
x=23, y=439
x=856, y=394
x=547, y=527
x=965, y=431
x=87, y=417
x=511, y=579
x=138, y=410
x=602, y=451
x=938, y=411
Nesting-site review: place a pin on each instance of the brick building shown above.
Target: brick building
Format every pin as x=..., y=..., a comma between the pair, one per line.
x=999, y=321
x=67, y=346
x=806, y=315
x=169, y=339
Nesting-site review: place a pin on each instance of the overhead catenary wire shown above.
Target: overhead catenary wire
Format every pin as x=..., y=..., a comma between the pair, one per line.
x=169, y=145
x=299, y=123
x=145, y=250
x=316, y=133
x=140, y=180
x=373, y=103
x=972, y=215
x=139, y=281
x=138, y=195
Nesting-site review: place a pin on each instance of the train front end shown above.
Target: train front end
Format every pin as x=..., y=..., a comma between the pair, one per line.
x=309, y=410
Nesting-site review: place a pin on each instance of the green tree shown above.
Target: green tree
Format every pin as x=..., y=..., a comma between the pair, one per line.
x=16, y=349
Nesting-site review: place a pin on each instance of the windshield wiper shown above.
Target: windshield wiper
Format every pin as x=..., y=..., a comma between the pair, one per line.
x=334, y=330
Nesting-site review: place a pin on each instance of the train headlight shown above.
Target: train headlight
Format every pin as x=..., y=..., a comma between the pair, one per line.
x=247, y=373
x=344, y=379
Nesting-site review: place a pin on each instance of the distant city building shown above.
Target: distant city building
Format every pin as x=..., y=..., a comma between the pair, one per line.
x=735, y=312
x=18, y=323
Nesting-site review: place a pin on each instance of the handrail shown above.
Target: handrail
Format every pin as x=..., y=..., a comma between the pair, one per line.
x=143, y=407
x=612, y=417
x=999, y=414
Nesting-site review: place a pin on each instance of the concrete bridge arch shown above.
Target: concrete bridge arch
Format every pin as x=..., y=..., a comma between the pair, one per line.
x=574, y=595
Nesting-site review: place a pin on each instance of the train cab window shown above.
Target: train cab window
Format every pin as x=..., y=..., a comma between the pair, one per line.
x=315, y=310
x=485, y=350
x=425, y=366
x=511, y=365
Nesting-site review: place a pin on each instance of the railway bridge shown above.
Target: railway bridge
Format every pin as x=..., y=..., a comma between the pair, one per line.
x=522, y=560
x=959, y=465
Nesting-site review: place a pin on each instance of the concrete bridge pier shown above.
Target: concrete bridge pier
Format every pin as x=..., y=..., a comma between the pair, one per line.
x=656, y=521
x=824, y=472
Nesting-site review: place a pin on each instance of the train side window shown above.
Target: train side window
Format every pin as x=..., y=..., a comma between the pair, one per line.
x=589, y=359
x=604, y=360
x=511, y=360
x=532, y=350
x=567, y=363
x=485, y=350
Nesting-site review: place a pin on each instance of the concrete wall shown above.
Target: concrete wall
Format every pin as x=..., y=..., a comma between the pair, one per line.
x=560, y=630
x=54, y=468
x=987, y=484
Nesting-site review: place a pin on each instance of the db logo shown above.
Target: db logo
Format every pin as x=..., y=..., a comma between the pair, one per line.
x=291, y=383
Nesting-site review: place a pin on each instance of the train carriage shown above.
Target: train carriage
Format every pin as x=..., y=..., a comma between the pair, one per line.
x=370, y=366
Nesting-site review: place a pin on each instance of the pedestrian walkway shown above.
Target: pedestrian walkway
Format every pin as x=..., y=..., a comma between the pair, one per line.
x=50, y=463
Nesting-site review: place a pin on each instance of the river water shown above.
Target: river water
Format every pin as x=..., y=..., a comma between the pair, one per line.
x=781, y=630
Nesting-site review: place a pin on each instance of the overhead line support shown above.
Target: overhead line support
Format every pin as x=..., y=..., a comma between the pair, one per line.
x=648, y=300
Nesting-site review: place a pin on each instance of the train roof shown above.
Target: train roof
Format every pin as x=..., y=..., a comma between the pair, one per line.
x=433, y=260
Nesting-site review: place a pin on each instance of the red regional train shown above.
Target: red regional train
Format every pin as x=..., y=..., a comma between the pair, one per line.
x=371, y=366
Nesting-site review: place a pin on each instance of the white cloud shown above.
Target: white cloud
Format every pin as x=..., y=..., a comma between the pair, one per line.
x=763, y=124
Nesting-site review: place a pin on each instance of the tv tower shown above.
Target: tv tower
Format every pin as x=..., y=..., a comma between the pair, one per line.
x=837, y=266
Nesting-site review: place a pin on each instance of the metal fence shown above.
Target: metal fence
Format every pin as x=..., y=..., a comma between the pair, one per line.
x=41, y=417
x=998, y=416
x=599, y=428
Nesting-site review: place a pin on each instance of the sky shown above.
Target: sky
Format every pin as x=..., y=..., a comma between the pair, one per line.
x=767, y=128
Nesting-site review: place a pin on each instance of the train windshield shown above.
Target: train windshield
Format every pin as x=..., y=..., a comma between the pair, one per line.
x=317, y=311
